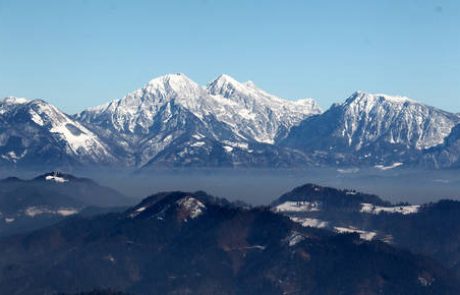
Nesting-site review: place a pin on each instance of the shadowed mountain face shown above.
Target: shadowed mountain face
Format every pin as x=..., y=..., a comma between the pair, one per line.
x=193, y=243
x=447, y=154
x=431, y=229
x=46, y=199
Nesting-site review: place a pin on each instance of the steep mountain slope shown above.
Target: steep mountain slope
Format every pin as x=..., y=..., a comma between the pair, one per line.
x=172, y=109
x=184, y=243
x=446, y=154
x=369, y=129
x=36, y=133
x=430, y=229
x=29, y=204
x=259, y=115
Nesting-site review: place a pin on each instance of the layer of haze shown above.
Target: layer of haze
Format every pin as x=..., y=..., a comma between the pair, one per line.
x=80, y=53
x=260, y=187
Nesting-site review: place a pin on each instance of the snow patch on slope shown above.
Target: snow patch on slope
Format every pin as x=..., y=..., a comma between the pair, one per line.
x=56, y=178
x=389, y=167
x=192, y=206
x=310, y=222
x=294, y=238
x=36, y=211
x=405, y=210
x=365, y=235
x=298, y=206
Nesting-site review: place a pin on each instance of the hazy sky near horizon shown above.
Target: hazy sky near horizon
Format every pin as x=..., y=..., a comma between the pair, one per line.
x=80, y=53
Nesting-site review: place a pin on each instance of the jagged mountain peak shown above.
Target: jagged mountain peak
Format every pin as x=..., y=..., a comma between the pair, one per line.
x=226, y=111
x=241, y=93
x=158, y=91
x=14, y=100
x=224, y=81
x=11, y=103
x=362, y=97
x=249, y=94
x=136, y=111
x=178, y=83
x=171, y=77
x=374, y=128
x=396, y=119
x=230, y=88
x=225, y=78
x=36, y=126
x=186, y=205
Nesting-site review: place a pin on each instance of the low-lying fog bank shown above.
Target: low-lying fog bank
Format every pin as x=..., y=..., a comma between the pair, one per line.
x=261, y=186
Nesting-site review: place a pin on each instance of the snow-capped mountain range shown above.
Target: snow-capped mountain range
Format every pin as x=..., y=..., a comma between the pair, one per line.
x=172, y=110
x=173, y=121
x=35, y=132
x=373, y=128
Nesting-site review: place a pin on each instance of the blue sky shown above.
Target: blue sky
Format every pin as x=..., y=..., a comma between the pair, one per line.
x=79, y=53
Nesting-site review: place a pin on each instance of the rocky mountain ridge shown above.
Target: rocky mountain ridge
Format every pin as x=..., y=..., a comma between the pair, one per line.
x=174, y=122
